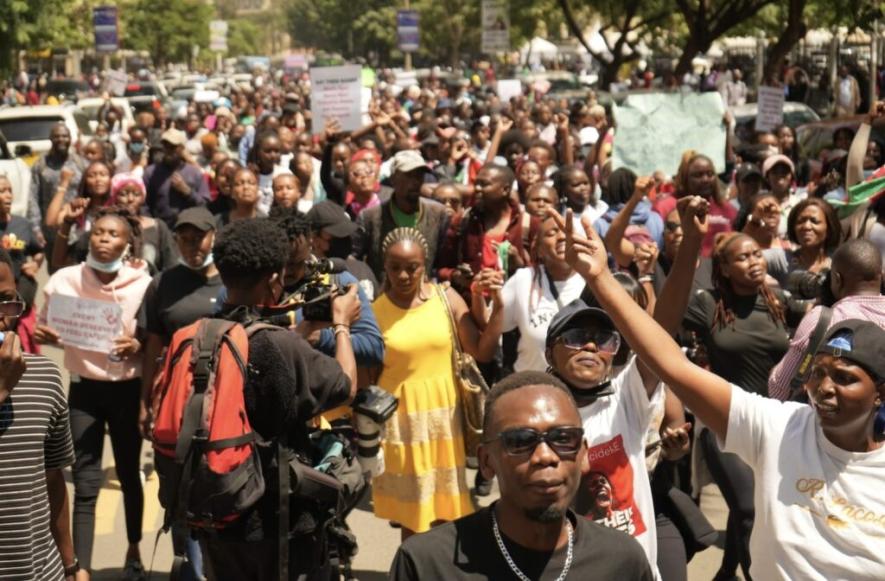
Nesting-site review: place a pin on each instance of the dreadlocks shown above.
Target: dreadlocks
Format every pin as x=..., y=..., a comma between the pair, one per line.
x=724, y=315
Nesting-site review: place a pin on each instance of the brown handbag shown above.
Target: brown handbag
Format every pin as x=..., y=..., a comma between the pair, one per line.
x=472, y=388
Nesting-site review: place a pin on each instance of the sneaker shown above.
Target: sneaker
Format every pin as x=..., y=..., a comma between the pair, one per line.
x=133, y=571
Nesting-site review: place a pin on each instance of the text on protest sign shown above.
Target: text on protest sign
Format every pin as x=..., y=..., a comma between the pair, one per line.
x=335, y=92
x=89, y=324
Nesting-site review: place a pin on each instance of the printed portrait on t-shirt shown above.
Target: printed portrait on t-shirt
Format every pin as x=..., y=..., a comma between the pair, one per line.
x=606, y=491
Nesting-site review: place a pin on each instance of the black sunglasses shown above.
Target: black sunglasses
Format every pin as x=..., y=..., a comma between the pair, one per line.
x=520, y=441
x=13, y=308
x=672, y=226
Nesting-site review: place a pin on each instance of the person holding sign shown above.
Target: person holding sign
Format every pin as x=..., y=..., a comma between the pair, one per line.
x=89, y=310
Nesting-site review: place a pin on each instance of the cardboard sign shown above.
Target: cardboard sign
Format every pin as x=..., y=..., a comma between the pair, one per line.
x=508, y=88
x=336, y=93
x=89, y=324
x=653, y=129
x=117, y=81
x=770, y=108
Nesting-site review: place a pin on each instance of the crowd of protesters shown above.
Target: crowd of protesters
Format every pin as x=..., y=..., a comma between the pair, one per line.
x=503, y=229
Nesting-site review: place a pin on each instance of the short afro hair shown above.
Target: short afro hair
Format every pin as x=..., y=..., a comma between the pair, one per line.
x=247, y=250
x=517, y=381
x=293, y=223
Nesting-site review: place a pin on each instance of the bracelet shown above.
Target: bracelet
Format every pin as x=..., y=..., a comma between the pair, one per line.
x=341, y=328
x=649, y=278
x=73, y=568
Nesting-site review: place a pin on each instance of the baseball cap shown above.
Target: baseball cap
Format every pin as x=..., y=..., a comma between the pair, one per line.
x=746, y=170
x=174, y=136
x=332, y=219
x=408, y=160
x=861, y=342
x=576, y=314
x=773, y=160
x=198, y=217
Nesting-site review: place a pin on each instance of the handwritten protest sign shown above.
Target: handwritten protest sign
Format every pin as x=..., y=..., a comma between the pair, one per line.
x=85, y=323
x=335, y=92
x=770, y=108
x=508, y=88
x=654, y=129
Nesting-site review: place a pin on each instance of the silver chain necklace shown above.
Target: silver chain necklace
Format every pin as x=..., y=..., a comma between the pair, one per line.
x=516, y=571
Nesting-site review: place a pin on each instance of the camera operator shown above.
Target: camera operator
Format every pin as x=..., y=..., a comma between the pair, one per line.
x=368, y=346
x=288, y=384
x=855, y=283
x=331, y=237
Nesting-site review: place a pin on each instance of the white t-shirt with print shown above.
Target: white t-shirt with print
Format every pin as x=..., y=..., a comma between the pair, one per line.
x=820, y=510
x=615, y=427
x=530, y=308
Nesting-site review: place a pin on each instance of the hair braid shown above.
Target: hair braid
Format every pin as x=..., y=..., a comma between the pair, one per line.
x=405, y=234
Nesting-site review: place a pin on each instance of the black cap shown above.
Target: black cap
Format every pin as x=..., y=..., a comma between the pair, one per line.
x=332, y=219
x=198, y=217
x=746, y=170
x=576, y=314
x=860, y=342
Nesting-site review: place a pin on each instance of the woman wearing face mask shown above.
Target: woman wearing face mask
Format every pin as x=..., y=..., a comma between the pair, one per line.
x=780, y=173
x=135, y=158
x=105, y=385
x=424, y=481
x=157, y=246
x=74, y=219
x=743, y=324
x=816, y=231
x=176, y=298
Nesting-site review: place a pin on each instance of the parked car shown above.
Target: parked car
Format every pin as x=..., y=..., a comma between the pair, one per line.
x=795, y=114
x=146, y=95
x=68, y=89
x=816, y=139
x=27, y=128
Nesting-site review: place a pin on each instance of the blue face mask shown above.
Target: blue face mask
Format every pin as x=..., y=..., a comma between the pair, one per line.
x=136, y=147
x=111, y=267
x=206, y=262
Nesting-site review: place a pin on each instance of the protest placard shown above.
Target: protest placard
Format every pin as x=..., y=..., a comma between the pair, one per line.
x=653, y=130
x=89, y=324
x=116, y=83
x=336, y=92
x=769, y=108
x=508, y=88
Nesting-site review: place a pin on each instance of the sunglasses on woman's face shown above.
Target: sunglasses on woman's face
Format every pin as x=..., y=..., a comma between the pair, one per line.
x=672, y=226
x=13, y=308
x=564, y=441
x=606, y=341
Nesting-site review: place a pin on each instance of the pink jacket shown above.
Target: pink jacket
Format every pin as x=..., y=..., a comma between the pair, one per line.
x=127, y=290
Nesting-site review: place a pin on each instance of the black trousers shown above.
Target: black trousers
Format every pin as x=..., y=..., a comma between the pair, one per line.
x=259, y=561
x=735, y=481
x=93, y=405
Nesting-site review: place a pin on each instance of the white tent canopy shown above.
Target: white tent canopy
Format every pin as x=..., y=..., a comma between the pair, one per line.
x=537, y=50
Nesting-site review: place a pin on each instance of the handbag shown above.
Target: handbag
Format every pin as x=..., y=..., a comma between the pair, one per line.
x=472, y=388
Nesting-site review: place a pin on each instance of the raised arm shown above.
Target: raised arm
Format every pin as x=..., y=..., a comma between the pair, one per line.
x=504, y=125
x=621, y=248
x=858, y=150
x=708, y=395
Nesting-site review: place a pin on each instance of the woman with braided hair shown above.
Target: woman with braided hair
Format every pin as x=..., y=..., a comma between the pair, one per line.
x=743, y=325
x=424, y=480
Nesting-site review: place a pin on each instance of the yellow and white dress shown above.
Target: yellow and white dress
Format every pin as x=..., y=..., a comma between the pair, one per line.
x=424, y=478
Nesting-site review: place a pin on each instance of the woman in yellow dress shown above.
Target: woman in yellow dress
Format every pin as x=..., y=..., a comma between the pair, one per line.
x=424, y=479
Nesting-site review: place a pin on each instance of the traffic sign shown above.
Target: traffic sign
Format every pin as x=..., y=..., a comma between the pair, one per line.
x=104, y=20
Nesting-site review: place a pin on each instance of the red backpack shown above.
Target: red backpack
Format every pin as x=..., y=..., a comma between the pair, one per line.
x=205, y=449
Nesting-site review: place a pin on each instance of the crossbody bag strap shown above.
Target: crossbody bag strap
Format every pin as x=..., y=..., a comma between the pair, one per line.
x=814, y=341
x=452, y=325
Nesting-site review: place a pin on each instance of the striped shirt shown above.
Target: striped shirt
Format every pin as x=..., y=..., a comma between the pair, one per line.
x=35, y=436
x=865, y=307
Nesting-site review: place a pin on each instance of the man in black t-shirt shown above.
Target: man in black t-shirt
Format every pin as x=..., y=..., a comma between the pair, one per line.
x=535, y=446
x=287, y=384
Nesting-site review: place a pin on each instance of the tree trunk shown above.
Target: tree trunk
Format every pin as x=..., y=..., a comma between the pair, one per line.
x=692, y=47
x=792, y=34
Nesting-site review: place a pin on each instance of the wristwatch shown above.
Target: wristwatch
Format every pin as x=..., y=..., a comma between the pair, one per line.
x=73, y=568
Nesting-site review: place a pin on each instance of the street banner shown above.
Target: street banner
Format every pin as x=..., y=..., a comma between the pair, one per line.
x=407, y=30
x=336, y=92
x=89, y=324
x=218, y=35
x=104, y=21
x=295, y=62
x=769, y=108
x=653, y=130
x=508, y=88
x=495, y=26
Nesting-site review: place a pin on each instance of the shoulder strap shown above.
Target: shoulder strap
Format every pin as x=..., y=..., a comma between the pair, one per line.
x=814, y=341
x=283, y=523
x=453, y=327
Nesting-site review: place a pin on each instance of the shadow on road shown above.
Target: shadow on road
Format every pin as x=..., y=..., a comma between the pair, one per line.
x=370, y=576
